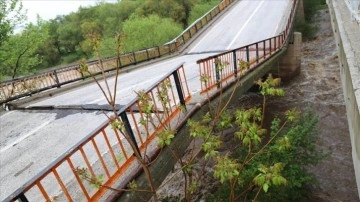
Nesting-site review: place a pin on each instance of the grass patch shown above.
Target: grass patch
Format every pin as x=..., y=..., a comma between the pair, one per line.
x=305, y=25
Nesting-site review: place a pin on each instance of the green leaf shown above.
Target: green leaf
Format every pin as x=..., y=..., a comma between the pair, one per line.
x=259, y=179
x=292, y=115
x=132, y=185
x=265, y=187
x=246, y=140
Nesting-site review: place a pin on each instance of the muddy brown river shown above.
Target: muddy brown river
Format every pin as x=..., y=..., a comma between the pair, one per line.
x=319, y=87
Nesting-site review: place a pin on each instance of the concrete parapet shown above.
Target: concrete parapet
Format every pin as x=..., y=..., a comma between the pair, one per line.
x=300, y=13
x=347, y=35
x=289, y=65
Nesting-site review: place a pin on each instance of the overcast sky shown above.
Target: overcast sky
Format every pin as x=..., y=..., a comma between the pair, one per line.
x=49, y=9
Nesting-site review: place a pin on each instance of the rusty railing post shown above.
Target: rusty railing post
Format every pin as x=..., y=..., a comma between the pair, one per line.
x=179, y=88
x=247, y=55
x=56, y=79
x=169, y=48
x=235, y=63
x=134, y=56
x=119, y=61
x=158, y=48
x=147, y=55
x=217, y=72
x=128, y=129
x=257, y=52
x=21, y=197
x=264, y=45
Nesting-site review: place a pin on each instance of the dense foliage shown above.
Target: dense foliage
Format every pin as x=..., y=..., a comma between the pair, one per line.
x=19, y=53
x=304, y=25
x=10, y=16
x=67, y=39
x=153, y=30
x=295, y=148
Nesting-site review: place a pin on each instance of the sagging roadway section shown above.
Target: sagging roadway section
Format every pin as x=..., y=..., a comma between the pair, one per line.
x=346, y=29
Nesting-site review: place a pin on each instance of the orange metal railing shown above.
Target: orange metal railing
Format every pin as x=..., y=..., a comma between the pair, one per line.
x=26, y=86
x=218, y=69
x=105, y=152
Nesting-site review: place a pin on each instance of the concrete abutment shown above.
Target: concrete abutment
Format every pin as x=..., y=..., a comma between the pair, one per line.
x=290, y=64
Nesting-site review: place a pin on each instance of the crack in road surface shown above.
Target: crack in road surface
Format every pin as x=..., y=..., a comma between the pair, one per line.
x=22, y=170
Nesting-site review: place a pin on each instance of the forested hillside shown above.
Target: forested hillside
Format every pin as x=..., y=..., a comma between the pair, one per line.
x=66, y=39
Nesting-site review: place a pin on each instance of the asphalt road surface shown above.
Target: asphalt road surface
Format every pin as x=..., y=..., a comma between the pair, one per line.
x=30, y=140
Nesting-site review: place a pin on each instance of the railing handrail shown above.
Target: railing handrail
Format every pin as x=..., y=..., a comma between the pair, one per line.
x=239, y=48
x=72, y=66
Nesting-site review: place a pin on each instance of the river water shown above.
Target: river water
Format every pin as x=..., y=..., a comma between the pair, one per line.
x=319, y=87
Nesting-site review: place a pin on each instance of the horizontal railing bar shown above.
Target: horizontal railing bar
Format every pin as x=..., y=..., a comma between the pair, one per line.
x=229, y=51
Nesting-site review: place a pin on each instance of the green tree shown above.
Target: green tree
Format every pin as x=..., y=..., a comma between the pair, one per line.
x=18, y=55
x=145, y=32
x=70, y=34
x=112, y=16
x=200, y=9
x=90, y=30
x=178, y=10
x=53, y=34
x=50, y=50
x=10, y=16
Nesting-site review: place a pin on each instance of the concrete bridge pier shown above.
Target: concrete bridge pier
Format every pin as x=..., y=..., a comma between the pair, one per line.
x=289, y=65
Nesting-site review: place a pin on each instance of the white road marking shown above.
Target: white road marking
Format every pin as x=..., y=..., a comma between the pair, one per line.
x=24, y=137
x=97, y=100
x=6, y=114
x=245, y=24
x=207, y=34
